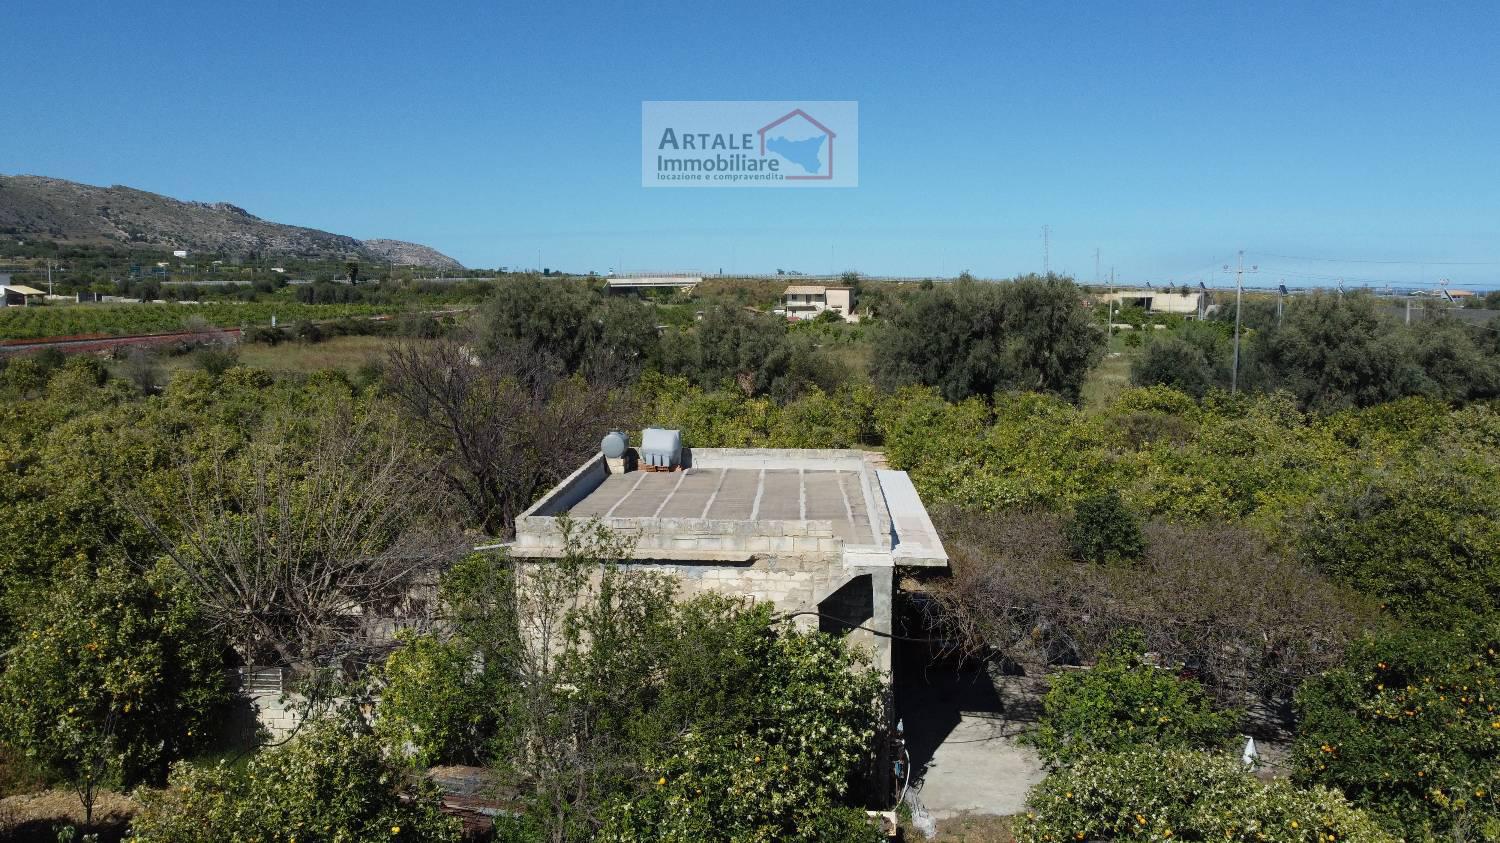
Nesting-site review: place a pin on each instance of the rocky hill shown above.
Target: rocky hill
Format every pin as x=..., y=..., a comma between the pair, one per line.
x=69, y=212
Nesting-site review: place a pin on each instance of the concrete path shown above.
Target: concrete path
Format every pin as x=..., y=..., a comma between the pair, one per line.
x=962, y=731
x=980, y=768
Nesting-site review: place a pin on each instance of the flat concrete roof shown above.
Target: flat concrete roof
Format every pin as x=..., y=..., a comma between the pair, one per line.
x=737, y=494
x=916, y=537
x=734, y=504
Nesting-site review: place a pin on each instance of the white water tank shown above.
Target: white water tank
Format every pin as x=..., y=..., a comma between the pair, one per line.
x=661, y=448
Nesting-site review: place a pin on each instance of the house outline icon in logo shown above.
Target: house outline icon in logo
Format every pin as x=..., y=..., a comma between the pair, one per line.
x=797, y=112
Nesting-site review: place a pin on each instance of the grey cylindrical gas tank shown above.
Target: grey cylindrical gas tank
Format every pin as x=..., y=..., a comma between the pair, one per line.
x=614, y=444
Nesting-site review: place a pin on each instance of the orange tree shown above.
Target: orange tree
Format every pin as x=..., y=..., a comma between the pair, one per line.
x=1185, y=795
x=1122, y=703
x=111, y=679
x=333, y=783
x=781, y=773
x=1409, y=728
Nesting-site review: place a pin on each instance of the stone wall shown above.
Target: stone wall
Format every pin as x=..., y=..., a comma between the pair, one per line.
x=274, y=713
x=790, y=583
x=686, y=535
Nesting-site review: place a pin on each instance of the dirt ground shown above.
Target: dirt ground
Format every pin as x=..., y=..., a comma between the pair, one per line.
x=34, y=816
x=974, y=828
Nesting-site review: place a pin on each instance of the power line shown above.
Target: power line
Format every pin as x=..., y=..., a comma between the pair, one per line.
x=1315, y=276
x=1385, y=262
x=1239, y=286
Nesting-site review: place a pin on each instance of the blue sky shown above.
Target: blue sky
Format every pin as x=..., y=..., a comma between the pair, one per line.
x=1165, y=135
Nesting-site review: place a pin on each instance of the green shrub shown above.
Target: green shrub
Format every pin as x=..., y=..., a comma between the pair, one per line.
x=215, y=360
x=307, y=331
x=437, y=704
x=1104, y=530
x=1174, y=362
x=112, y=678
x=1424, y=539
x=1121, y=704
x=1185, y=795
x=971, y=339
x=264, y=334
x=331, y=783
x=784, y=773
x=1409, y=730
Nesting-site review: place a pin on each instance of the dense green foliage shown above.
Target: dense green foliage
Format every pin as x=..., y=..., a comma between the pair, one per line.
x=567, y=323
x=754, y=353
x=975, y=339
x=1423, y=538
x=331, y=784
x=1185, y=795
x=622, y=712
x=1122, y=703
x=1330, y=352
x=111, y=678
x=1408, y=729
x=809, y=722
x=573, y=327
x=1266, y=533
x=1193, y=358
x=433, y=704
x=1103, y=530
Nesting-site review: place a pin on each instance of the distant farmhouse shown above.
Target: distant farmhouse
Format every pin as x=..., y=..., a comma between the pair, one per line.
x=808, y=301
x=17, y=295
x=1190, y=303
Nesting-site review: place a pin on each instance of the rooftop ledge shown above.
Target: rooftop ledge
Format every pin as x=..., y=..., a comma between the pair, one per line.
x=736, y=504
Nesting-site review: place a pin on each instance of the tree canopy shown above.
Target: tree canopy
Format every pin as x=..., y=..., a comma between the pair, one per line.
x=972, y=338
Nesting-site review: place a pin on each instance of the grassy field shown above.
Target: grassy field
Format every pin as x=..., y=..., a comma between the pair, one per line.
x=347, y=353
x=121, y=319
x=1110, y=376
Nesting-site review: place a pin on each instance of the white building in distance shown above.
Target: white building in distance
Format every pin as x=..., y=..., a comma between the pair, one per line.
x=1185, y=303
x=808, y=301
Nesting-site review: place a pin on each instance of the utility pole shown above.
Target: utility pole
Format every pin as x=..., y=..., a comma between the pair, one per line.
x=1046, y=250
x=49, y=277
x=1239, y=278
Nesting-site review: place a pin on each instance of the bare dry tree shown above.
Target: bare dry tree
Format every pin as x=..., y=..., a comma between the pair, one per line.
x=504, y=428
x=313, y=552
x=1251, y=623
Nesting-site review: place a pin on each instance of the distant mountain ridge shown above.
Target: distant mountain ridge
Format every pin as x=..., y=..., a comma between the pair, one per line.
x=66, y=211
